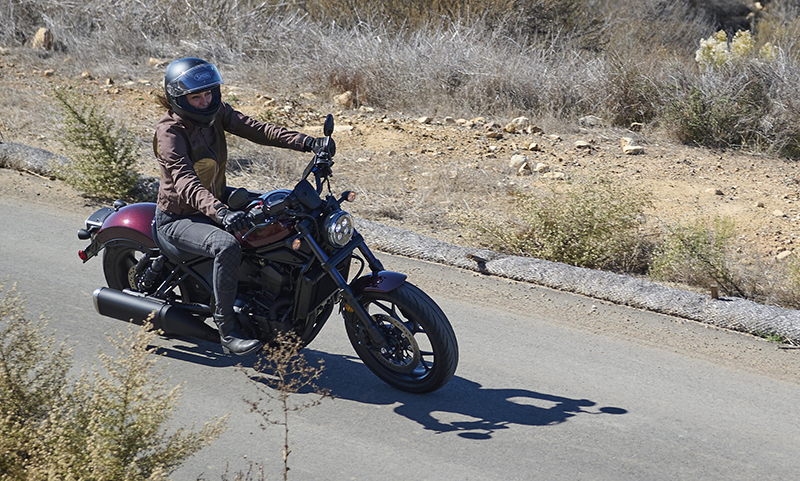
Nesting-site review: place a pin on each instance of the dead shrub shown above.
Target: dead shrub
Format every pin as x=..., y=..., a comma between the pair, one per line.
x=634, y=95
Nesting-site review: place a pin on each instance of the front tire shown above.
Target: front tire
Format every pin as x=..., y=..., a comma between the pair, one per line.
x=421, y=352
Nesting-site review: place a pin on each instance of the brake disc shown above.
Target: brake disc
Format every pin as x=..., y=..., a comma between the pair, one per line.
x=401, y=353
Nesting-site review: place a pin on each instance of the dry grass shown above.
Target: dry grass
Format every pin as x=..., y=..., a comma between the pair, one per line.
x=542, y=59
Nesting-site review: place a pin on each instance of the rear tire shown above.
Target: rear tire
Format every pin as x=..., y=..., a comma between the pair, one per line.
x=119, y=264
x=119, y=267
x=421, y=353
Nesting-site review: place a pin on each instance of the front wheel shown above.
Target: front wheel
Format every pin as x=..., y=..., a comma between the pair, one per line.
x=420, y=353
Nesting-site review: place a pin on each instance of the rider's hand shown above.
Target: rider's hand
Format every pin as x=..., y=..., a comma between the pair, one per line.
x=318, y=145
x=232, y=220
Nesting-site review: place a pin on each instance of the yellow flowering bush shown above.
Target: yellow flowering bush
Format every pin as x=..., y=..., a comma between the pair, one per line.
x=742, y=45
x=715, y=51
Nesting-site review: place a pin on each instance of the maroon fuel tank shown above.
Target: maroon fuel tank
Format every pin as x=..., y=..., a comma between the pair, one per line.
x=132, y=222
x=265, y=235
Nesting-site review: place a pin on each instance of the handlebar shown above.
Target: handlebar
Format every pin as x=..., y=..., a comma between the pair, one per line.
x=322, y=162
x=303, y=192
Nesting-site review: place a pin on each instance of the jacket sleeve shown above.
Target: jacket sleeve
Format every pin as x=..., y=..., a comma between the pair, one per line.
x=174, y=159
x=262, y=133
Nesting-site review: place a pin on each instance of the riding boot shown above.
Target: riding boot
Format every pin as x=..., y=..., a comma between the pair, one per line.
x=232, y=339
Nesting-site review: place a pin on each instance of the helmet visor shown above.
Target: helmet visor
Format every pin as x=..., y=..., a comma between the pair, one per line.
x=196, y=79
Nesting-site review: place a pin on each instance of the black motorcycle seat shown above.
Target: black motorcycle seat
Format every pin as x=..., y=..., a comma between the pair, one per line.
x=173, y=253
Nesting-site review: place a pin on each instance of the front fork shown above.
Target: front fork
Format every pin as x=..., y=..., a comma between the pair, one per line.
x=393, y=279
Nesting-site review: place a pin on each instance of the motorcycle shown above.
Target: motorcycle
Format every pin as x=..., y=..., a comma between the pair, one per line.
x=297, y=256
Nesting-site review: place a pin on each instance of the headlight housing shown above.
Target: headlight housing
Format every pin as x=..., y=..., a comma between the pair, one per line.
x=340, y=229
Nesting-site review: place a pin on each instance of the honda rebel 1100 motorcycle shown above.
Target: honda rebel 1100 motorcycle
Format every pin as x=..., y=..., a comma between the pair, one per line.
x=297, y=256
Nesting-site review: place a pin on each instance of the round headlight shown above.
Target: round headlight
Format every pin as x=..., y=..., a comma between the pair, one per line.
x=339, y=227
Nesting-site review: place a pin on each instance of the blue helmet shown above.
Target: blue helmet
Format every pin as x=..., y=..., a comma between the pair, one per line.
x=189, y=75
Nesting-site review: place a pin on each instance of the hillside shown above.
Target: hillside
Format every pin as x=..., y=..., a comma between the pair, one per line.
x=423, y=174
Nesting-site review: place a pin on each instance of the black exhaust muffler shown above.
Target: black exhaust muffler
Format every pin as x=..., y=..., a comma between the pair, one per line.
x=169, y=318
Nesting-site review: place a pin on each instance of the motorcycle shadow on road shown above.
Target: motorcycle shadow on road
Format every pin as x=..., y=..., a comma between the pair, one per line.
x=199, y=352
x=463, y=406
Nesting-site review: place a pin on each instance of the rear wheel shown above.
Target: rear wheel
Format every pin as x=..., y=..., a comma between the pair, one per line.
x=420, y=353
x=119, y=267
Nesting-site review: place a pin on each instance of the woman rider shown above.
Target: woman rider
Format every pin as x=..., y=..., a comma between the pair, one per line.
x=192, y=152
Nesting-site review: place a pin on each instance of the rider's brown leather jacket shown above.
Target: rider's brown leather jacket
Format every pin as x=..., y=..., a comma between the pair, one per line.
x=193, y=159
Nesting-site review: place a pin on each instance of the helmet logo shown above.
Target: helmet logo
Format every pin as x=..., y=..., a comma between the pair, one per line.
x=202, y=76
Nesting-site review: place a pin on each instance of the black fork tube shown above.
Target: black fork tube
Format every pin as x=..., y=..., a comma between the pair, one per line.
x=373, y=261
x=374, y=334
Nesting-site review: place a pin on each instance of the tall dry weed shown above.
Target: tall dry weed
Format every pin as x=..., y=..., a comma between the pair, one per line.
x=282, y=374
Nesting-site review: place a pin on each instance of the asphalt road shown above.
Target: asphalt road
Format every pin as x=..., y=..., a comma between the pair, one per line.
x=550, y=385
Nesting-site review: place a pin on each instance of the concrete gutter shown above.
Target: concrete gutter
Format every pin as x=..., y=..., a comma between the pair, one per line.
x=727, y=312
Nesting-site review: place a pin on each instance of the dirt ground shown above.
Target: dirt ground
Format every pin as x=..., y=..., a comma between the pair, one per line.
x=414, y=173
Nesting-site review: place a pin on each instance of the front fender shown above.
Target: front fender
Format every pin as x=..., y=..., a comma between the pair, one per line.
x=133, y=222
x=382, y=281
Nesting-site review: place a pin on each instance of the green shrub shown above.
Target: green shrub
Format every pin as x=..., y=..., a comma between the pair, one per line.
x=725, y=111
x=698, y=254
x=793, y=271
x=598, y=225
x=107, y=426
x=104, y=156
x=779, y=282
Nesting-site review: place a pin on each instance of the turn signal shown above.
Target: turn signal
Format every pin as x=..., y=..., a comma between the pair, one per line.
x=296, y=244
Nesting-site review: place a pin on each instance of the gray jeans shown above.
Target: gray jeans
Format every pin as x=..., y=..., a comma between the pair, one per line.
x=199, y=235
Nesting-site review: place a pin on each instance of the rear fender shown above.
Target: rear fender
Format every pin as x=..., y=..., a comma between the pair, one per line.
x=132, y=222
x=382, y=281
